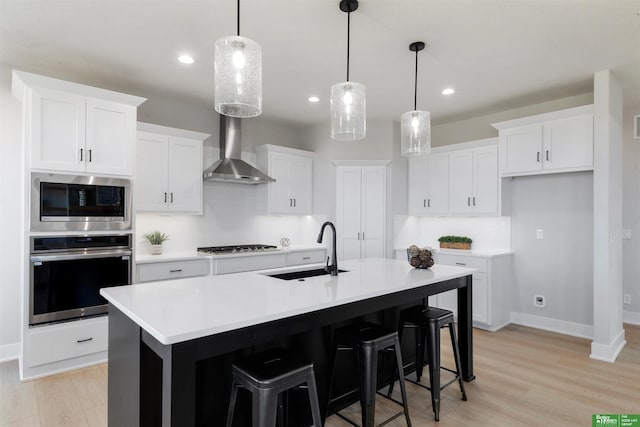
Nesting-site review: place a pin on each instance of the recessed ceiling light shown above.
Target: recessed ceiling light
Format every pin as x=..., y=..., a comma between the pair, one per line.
x=448, y=91
x=313, y=99
x=185, y=59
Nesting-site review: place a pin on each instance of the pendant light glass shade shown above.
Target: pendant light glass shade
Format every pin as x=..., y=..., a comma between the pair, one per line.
x=238, y=77
x=415, y=125
x=415, y=133
x=348, y=111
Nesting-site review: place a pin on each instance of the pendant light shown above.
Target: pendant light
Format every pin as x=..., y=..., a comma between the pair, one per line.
x=415, y=126
x=238, y=75
x=348, y=107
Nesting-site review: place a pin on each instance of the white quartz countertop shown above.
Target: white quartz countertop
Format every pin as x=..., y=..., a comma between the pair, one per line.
x=180, y=310
x=146, y=258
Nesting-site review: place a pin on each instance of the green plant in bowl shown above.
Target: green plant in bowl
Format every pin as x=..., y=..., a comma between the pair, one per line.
x=156, y=237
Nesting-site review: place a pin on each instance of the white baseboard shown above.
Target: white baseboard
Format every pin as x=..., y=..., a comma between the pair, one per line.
x=608, y=352
x=9, y=352
x=553, y=325
x=632, y=317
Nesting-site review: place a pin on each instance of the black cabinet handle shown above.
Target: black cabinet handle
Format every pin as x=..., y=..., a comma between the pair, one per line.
x=468, y=201
x=460, y=263
x=84, y=340
x=428, y=203
x=89, y=155
x=538, y=157
x=306, y=258
x=474, y=201
x=81, y=154
x=424, y=203
x=547, y=155
x=172, y=197
x=177, y=270
x=294, y=202
x=165, y=197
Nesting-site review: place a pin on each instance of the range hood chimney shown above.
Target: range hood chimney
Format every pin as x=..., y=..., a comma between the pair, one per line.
x=230, y=168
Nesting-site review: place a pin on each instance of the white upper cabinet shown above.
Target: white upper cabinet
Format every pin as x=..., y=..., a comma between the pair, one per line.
x=561, y=141
x=473, y=181
x=429, y=184
x=292, y=169
x=75, y=128
x=169, y=170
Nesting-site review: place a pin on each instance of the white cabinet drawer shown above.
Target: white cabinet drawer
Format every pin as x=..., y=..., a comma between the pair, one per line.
x=48, y=344
x=248, y=263
x=463, y=261
x=306, y=257
x=172, y=270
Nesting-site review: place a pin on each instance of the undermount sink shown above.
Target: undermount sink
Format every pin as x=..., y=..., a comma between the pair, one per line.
x=301, y=275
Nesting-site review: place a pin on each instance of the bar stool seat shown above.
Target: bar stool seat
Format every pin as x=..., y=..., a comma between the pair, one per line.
x=367, y=339
x=428, y=321
x=268, y=374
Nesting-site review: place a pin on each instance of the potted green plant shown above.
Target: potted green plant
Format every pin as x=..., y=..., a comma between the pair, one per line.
x=455, y=242
x=156, y=238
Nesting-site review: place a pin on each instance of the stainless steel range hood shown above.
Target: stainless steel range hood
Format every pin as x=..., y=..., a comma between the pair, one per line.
x=230, y=168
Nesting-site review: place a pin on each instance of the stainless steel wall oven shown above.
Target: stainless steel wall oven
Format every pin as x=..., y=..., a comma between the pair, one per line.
x=67, y=273
x=79, y=203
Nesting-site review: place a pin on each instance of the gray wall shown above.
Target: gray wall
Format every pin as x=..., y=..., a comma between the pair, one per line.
x=559, y=265
x=480, y=127
x=631, y=214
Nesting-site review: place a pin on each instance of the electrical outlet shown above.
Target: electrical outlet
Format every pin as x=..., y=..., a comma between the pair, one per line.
x=627, y=298
x=539, y=301
x=539, y=234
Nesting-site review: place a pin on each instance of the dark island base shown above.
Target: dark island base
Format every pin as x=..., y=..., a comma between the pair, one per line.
x=213, y=379
x=195, y=376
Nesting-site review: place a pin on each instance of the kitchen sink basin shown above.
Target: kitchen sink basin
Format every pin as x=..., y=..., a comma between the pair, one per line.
x=301, y=275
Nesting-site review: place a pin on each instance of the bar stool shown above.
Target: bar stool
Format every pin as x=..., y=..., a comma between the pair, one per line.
x=367, y=339
x=428, y=321
x=266, y=375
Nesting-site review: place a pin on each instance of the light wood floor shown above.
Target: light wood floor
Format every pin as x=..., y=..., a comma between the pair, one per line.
x=525, y=377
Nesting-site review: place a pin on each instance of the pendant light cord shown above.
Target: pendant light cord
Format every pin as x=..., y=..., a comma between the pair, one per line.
x=348, y=40
x=415, y=86
x=238, y=18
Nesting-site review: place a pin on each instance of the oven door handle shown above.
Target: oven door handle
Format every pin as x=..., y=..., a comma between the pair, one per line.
x=67, y=256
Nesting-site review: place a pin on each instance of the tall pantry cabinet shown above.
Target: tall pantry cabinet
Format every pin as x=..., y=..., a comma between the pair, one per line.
x=360, y=210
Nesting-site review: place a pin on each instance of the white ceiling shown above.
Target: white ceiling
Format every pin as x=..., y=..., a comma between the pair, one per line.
x=497, y=54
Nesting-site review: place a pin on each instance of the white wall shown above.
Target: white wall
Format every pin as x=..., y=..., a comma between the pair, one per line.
x=11, y=236
x=489, y=234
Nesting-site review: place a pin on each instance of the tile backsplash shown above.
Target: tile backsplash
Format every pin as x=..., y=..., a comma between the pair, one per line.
x=489, y=234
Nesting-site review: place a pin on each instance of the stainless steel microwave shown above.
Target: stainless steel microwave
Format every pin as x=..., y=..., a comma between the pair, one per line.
x=79, y=203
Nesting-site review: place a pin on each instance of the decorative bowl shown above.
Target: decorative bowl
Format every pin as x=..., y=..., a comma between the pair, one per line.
x=420, y=258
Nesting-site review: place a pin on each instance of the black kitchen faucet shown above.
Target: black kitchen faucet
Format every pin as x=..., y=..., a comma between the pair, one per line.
x=333, y=267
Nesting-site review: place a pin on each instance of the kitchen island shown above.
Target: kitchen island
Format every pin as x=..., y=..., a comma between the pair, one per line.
x=171, y=343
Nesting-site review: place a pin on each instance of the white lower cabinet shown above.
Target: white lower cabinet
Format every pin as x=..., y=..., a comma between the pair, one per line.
x=306, y=257
x=491, y=288
x=63, y=341
x=168, y=270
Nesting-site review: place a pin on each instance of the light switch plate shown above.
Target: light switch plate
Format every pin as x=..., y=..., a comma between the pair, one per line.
x=626, y=233
x=539, y=234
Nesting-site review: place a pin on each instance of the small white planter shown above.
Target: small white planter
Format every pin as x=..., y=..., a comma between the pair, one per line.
x=156, y=249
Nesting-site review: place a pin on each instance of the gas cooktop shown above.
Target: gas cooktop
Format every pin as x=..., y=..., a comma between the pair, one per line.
x=234, y=249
